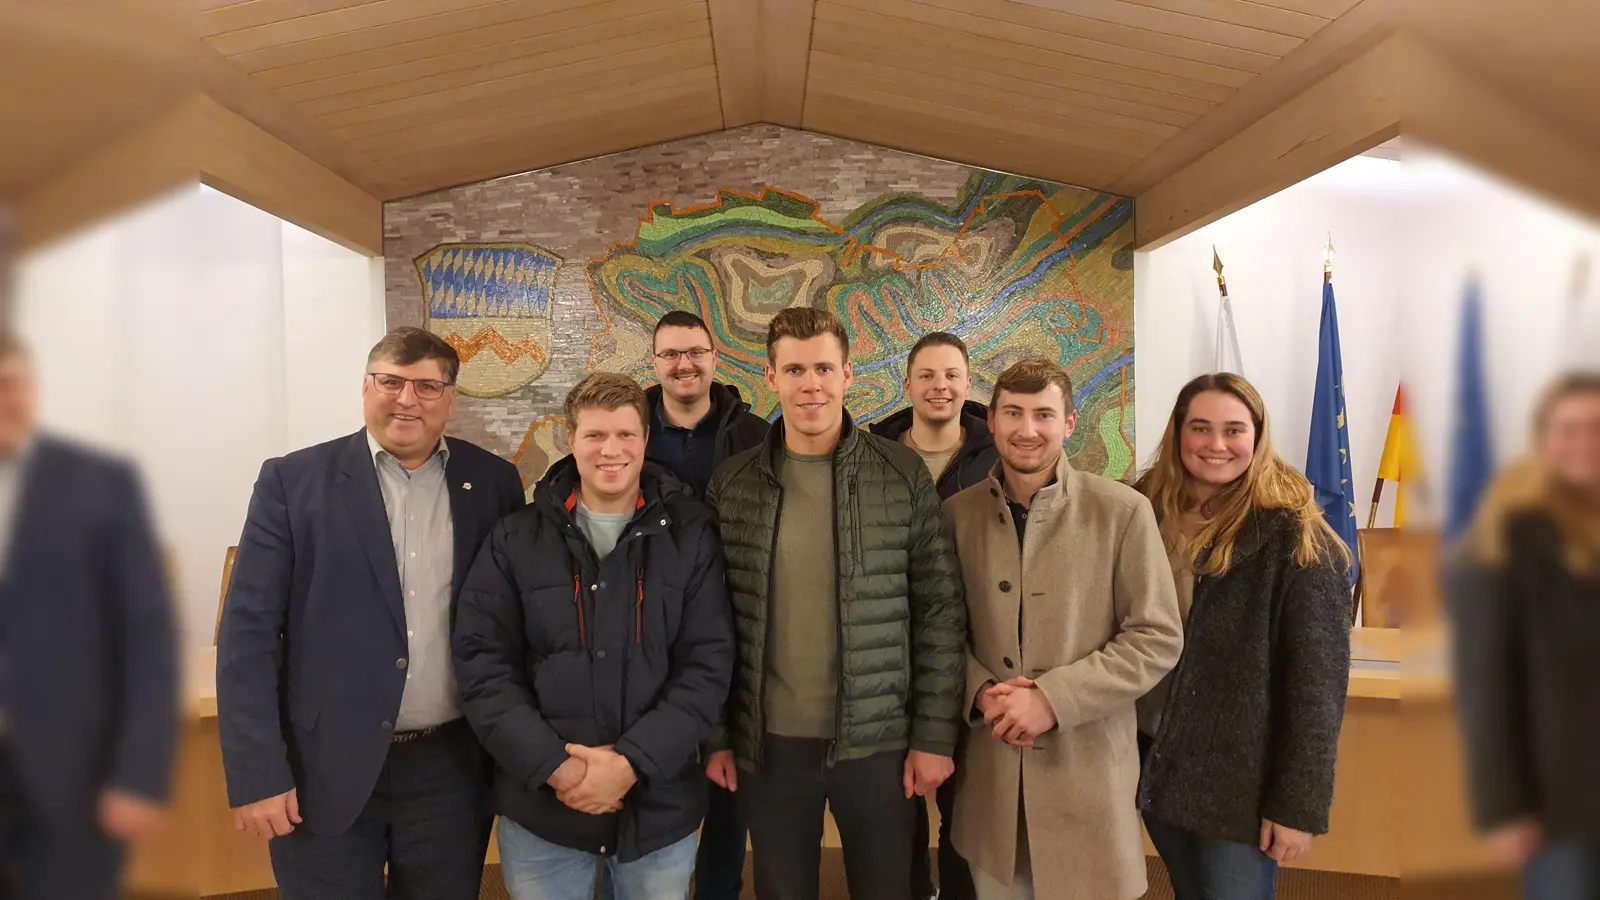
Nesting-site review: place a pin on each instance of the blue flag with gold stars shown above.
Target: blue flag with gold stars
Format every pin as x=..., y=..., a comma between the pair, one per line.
x=1328, y=454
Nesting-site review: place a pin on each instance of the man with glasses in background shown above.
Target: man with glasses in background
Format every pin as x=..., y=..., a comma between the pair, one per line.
x=342, y=735
x=697, y=422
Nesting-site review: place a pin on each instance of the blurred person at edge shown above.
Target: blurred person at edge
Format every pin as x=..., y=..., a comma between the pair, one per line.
x=88, y=672
x=1524, y=592
x=1266, y=651
x=343, y=740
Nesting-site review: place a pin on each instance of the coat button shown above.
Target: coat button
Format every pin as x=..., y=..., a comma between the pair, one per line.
x=1009, y=663
x=599, y=654
x=1005, y=586
x=400, y=663
x=387, y=726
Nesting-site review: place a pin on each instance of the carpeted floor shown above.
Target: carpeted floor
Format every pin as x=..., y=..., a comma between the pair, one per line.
x=1293, y=884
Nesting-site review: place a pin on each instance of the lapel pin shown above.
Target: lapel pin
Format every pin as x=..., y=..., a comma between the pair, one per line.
x=466, y=485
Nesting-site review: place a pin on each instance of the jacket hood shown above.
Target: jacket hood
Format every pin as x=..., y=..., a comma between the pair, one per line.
x=726, y=402
x=656, y=483
x=974, y=421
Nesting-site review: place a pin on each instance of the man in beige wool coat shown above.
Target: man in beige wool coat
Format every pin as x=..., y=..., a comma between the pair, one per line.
x=1073, y=617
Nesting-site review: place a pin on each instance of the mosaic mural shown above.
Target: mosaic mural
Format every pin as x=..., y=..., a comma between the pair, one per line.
x=544, y=277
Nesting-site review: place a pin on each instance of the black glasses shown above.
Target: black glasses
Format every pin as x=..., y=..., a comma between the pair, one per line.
x=425, y=388
x=673, y=356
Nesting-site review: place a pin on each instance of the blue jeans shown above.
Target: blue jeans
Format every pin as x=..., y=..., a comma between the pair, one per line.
x=536, y=869
x=1566, y=870
x=1211, y=869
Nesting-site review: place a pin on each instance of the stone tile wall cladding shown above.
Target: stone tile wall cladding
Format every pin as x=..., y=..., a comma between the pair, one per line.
x=897, y=243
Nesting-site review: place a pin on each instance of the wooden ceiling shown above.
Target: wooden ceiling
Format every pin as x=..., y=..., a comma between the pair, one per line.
x=393, y=98
x=435, y=93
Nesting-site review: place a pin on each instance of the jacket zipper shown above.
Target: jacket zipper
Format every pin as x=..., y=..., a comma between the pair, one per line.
x=854, y=511
x=577, y=600
x=766, y=632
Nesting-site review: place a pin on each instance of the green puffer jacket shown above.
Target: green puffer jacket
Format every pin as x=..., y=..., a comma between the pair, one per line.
x=903, y=620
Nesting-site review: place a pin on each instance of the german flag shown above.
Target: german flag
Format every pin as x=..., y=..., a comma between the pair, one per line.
x=1399, y=458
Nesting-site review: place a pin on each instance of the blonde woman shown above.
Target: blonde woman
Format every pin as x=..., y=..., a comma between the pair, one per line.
x=1526, y=604
x=1240, y=737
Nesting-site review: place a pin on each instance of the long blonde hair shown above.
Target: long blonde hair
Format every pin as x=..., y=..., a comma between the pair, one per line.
x=1527, y=485
x=1267, y=483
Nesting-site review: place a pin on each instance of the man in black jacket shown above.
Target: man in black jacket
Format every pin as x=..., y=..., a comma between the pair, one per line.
x=594, y=649
x=951, y=434
x=695, y=424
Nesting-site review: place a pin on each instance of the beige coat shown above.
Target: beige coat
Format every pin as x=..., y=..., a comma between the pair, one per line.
x=1100, y=627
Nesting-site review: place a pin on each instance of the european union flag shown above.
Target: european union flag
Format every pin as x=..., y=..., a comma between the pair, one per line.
x=1472, y=462
x=1328, y=455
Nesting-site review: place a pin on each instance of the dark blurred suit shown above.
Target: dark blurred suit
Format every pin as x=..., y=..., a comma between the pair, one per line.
x=88, y=669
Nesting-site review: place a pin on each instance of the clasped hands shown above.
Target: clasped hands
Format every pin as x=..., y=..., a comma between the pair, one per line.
x=593, y=780
x=1017, y=711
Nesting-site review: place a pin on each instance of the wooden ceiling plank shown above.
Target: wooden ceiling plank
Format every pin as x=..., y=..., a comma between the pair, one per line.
x=976, y=82
x=664, y=89
x=1343, y=41
x=1219, y=32
x=551, y=73
x=423, y=64
x=1246, y=12
x=533, y=152
x=539, y=14
x=736, y=37
x=846, y=72
x=861, y=122
x=344, y=20
x=1057, y=22
x=981, y=29
x=987, y=49
x=1326, y=9
x=863, y=41
x=253, y=13
x=534, y=147
x=591, y=84
x=1081, y=143
x=1353, y=109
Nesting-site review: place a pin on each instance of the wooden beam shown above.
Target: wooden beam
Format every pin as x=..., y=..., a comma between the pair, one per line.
x=1354, y=109
x=230, y=87
x=160, y=155
x=1458, y=113
x=1335, y=46
x=786, y=52
x=763, y=48
x=736, y=41
x=240, y=158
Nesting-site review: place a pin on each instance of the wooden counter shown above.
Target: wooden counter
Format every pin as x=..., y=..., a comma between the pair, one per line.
x=1397, y=802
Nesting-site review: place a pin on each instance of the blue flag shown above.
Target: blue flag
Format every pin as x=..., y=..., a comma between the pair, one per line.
x=1471, y=462
x=1328, y=454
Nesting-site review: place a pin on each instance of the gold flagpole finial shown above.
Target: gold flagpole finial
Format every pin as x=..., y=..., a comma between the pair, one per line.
x=1216, y=263
x=1327, y=260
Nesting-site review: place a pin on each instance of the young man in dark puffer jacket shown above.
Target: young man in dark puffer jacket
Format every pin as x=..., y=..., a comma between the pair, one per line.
x=851, y=629
x=593, y=651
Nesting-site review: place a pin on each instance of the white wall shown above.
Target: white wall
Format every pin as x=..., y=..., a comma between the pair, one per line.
x=1407, y=235
x=199, y=336
x=1272, y=253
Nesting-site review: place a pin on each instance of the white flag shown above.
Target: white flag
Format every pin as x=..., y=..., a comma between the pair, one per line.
x=1228, y=356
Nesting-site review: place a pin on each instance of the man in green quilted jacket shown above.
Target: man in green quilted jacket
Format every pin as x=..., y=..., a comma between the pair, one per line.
x=851, y=629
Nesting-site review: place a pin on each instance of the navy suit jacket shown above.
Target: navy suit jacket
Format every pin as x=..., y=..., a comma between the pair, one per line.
x=89, y=682
x=307, y=686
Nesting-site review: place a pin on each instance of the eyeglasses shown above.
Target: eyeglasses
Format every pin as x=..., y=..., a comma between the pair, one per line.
x=673, y=356
x=425, y=388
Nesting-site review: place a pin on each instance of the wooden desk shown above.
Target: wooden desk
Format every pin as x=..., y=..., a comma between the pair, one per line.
x=1397, y=802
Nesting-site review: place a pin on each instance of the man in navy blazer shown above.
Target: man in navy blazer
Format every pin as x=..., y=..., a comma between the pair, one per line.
x=342, y=736
x=88, y=669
